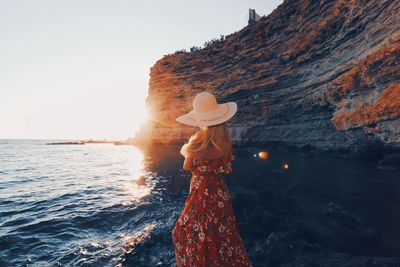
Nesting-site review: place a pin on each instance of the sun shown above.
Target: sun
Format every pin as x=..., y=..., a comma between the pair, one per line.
x=140, y=117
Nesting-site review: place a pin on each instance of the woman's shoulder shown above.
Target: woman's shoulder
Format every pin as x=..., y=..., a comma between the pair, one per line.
x=207, y=160
x=216, y=165
x=223, y=160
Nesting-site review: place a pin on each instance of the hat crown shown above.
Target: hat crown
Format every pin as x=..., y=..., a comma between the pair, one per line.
x=204, y=102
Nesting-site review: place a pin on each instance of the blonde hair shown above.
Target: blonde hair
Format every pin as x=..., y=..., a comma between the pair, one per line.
x=207, y=139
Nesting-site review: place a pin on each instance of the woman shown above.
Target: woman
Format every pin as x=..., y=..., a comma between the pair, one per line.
x=206, y=233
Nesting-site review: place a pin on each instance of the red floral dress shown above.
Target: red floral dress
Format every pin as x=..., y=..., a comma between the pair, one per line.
x=206, y=233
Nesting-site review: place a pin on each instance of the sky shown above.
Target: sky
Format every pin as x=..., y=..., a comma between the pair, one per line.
x=79, y=69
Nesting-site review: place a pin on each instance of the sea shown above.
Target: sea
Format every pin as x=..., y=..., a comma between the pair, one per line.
x=116, y=205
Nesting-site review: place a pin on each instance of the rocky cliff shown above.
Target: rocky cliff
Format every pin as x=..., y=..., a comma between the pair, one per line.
x=324, y=73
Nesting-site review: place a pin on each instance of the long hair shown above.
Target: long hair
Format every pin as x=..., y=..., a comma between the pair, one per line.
x=207, y=139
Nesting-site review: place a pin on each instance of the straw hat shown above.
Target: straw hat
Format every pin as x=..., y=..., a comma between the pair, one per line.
x=207, y=112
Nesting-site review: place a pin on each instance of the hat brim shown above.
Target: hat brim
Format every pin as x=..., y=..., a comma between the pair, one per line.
x=223, y=113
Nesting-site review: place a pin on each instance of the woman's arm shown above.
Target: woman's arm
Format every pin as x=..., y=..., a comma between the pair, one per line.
x=187, y=165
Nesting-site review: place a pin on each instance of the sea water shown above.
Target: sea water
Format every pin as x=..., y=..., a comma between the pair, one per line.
x=107, y=205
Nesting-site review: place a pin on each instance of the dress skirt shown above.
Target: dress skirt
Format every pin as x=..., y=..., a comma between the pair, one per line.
x=206, y=233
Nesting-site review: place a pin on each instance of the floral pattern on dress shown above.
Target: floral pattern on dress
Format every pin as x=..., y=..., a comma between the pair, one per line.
x=206, y=233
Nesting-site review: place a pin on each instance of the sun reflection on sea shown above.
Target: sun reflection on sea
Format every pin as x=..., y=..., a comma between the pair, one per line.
x=134, y=185
x=132, y=240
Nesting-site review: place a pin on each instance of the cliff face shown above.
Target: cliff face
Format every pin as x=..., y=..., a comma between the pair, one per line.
x=318, y=72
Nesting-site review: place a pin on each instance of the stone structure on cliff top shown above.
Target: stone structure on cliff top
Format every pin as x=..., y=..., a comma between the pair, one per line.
x=319, y=72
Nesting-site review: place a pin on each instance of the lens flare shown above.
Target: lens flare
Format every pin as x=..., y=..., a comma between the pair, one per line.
x=263, y=154
x=285, y=166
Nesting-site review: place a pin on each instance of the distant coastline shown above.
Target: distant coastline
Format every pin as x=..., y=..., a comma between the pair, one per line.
x=129, y=141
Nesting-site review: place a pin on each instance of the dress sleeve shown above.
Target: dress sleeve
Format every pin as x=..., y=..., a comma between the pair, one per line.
x=188, y=164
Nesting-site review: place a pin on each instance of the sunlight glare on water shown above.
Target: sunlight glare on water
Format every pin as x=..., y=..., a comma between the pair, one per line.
x=134, y=185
